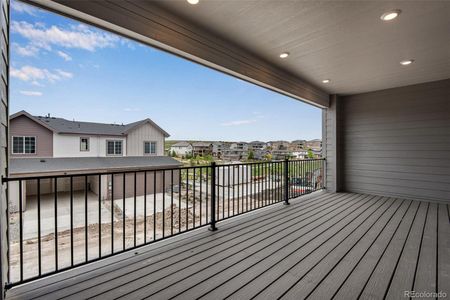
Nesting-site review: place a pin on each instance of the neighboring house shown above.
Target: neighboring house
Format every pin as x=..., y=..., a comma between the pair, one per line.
x=256, y=145
x=54, y=146
x=218, y=148
x=181, y=148
x=234, y=154
x=314, y=144
x=260, y=154
x=279, y=145
x=280, y=154
x=36, y=136
x=302, y=154
x=239, y=146
x=297, y=145
x=201, y=148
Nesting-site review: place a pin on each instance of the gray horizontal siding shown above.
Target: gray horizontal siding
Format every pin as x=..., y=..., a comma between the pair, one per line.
x=397, y=142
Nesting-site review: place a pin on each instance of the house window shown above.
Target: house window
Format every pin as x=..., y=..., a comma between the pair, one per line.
x=114, y=147
x=84, y=144
x=24, y=145
x=149, y=147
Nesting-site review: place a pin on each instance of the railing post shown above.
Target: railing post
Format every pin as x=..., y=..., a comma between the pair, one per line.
x=286, y=181
x=213, y=197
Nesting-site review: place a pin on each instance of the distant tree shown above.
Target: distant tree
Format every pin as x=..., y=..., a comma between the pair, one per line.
x=251, y=155
x=268, y=156
x=310, y=153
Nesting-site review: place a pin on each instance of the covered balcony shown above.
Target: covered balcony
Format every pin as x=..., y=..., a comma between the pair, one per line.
x=371, y=220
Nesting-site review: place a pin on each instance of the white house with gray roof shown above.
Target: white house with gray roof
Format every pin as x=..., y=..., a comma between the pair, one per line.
x=54, y=146
x=37, y=136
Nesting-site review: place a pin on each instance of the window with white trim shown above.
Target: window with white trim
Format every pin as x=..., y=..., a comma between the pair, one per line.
x=24, y=145
x=114, y=147
x=84, y=144
x=149, y=147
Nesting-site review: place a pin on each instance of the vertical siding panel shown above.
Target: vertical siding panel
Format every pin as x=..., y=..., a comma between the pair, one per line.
x=397, y=142
x=146, y=132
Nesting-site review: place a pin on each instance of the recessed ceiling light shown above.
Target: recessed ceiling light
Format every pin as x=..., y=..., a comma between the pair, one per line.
x=406, y=62
x=193, y=2
x=284, y=54
x=390, y=15
x=326, y=81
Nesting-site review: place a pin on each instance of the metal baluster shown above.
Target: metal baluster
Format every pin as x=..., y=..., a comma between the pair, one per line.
x=56, y=221
x=213, y=197
x=21, y=229
x=179, y=200
x=164, y=203
x=193, y=195
x=187, y=199
x=99, y=215
x=171, y=202
x=112, y=211
x=135, y=203
x=86, y=218
x=154, y=205
x=39, y=224
x=124, y=217
x=71, y=220
x=145, y=207
x=201, y=204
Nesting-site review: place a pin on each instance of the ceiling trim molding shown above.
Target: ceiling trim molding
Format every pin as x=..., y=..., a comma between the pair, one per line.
x=146, y=22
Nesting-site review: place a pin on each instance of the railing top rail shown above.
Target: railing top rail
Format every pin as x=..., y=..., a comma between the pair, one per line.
x=141, y=170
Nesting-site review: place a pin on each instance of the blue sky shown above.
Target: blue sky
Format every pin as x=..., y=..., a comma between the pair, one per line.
x=71, y=70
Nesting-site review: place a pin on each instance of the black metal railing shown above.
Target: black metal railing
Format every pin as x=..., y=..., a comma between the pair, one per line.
x=60, y=222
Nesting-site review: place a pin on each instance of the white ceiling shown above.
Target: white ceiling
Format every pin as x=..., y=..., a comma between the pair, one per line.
x=344, y=41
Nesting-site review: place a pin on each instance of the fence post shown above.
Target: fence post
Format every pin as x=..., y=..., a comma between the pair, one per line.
x=286, y=181
x=213, y=197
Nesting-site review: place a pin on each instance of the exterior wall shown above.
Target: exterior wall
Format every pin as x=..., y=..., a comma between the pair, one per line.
x=129, y=183
x=68, y=145
x=397, y=142
x=182, y=150
x=141, y=134
x=24, y=126
x=331, y=144
x=4, y=117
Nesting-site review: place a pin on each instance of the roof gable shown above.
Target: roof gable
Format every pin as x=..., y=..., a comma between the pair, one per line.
x=64, y=126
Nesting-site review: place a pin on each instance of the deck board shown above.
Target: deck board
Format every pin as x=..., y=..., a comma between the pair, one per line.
x=426, y=275
x=324, y=245
x=375, y=239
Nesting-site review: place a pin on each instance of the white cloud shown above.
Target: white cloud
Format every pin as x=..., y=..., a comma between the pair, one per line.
x=23, y=8
x=33, y=74
x=31, y=93
x=130, y=109
x=64, y=55
x=77, y=36
x=238, y=122
x=28, y=50
x=64, y=74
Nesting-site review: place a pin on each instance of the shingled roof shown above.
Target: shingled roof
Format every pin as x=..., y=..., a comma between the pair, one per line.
x=73, y=165
x=60, y=125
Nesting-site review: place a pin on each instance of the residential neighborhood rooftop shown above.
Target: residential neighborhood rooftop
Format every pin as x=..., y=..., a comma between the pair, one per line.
x=61, y=125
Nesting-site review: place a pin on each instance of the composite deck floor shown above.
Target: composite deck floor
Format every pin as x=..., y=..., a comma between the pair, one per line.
x=322, y=246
